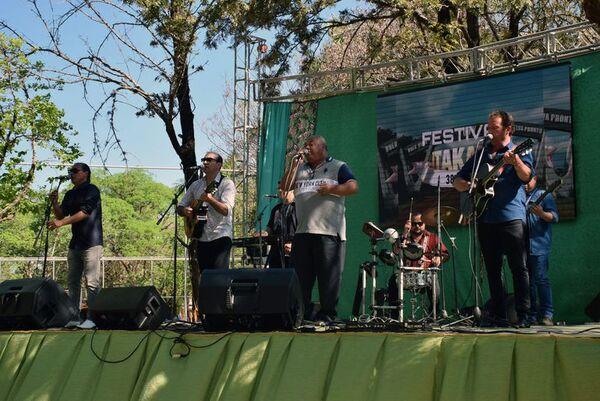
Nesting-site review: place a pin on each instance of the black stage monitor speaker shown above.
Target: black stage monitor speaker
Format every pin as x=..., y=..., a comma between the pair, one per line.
x=593, y=308
x=34, y=303
x=128, y=308
x=250, y=299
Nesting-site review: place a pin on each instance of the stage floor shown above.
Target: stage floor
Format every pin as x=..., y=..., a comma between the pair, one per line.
x=464, y=363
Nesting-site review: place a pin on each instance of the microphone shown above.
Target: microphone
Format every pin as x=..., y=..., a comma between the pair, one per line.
x=302, y=152
x=271, y=196
x=60, y=178
x=194, y=168
x=487, y=138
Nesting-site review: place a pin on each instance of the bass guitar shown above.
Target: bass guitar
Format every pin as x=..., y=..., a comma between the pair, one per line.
x=553, y=187
x=488, y=176
x=194, y=224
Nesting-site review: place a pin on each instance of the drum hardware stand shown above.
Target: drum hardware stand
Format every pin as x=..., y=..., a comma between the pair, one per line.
x=370, y=267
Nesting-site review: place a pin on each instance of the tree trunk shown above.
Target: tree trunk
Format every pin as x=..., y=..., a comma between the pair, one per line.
x=474, y=39
x=445, y=18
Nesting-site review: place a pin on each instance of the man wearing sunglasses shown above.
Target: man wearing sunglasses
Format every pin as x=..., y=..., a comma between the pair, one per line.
x=214, y=242
x=320, y=185
x=82, y=209
x=434, y=252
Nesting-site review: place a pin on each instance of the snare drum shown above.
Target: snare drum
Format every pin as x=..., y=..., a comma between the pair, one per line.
x=416, y=280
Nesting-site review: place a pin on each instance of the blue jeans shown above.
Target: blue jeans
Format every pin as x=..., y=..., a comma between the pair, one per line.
x=539, y=283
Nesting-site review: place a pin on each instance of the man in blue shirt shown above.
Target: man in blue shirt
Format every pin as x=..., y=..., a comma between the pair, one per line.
x=540, y=218
x=502, y=226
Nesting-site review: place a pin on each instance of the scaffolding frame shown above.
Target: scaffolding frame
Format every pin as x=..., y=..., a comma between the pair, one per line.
x=247, y=69
x=509, y=55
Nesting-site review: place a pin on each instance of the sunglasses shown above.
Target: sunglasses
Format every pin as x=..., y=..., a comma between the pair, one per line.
x=417, y=223
x=208, y=159
x=74, y=171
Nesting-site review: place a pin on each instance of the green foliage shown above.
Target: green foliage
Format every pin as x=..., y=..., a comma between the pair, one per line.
x=29, y=122
x=131, y=204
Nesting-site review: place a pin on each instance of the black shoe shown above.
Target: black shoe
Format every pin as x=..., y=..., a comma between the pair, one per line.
x=522, y=323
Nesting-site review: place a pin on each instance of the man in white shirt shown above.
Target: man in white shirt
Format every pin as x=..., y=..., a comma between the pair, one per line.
x=215, y=195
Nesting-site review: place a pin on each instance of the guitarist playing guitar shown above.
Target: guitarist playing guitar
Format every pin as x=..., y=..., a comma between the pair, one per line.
x=207, y=207
x=542, y=214
x=502, y=226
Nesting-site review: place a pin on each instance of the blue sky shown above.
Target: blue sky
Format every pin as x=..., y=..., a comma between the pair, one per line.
x=144, y=139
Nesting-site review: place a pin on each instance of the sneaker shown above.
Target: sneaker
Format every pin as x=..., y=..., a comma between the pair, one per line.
x=547, y=322
x=87, y=324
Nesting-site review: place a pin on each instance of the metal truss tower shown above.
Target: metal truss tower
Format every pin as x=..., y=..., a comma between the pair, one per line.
x=246, y=124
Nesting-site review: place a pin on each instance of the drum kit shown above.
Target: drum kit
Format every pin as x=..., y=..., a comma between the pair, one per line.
x=412, y=272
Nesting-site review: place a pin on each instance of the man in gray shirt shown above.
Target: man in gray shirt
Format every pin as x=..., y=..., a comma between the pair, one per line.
x=320, y=185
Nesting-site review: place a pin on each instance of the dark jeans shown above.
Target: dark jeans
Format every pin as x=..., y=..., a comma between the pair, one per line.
x=510, y=239
x=539, y=286
x=214, y=254
x=319, y=257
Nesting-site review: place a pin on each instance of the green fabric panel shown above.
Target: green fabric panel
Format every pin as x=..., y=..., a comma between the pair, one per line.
x=349, y=123
x=271, y=155
x=287, y=366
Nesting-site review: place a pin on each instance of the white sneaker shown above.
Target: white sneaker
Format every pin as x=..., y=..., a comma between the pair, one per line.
x=87, y=324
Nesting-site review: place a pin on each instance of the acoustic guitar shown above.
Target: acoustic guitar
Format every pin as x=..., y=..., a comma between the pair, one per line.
x=194, y=224
x=484, y=183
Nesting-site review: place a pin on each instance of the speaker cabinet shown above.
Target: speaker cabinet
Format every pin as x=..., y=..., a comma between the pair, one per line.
x=128, y=308
x=34, y=303
x=250, y=299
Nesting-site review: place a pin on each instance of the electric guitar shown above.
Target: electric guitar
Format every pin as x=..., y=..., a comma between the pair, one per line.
x=194, y=224
x=553, y=187
x=484, y=183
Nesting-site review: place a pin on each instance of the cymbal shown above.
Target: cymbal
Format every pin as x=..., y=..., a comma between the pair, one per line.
x=449, y=216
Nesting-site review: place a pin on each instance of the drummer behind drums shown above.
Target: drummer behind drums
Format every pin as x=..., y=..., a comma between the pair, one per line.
x=419, y=249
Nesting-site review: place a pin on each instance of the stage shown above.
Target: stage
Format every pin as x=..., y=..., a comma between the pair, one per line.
x=460, y=363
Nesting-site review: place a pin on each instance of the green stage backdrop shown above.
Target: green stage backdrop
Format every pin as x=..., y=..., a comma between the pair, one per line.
x=349, y=124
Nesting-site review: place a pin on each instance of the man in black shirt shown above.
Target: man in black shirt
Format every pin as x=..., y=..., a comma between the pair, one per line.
x=82, y=209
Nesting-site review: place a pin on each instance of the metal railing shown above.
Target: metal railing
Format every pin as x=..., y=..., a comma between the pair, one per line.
x=14, y=267
x=503, y=56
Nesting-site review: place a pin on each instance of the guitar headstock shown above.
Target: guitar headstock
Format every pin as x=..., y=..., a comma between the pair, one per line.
x=524, y=147
x=555, y=185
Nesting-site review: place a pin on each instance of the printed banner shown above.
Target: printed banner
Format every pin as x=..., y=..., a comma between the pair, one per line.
x=424, y=137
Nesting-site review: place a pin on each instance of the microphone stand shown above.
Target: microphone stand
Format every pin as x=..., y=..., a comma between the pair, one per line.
x=173, y=204
x=259, y=220
x=44, y=225
x=473, y=221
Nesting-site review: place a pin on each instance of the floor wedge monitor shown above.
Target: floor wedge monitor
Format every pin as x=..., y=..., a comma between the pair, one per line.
x=34, y=303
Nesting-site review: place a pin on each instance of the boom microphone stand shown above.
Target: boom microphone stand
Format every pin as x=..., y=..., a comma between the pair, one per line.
x=173, y=204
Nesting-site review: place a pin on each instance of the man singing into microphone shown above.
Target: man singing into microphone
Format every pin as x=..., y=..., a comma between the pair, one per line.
x=318, y=249
x=82, y=209
x=502, y=228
